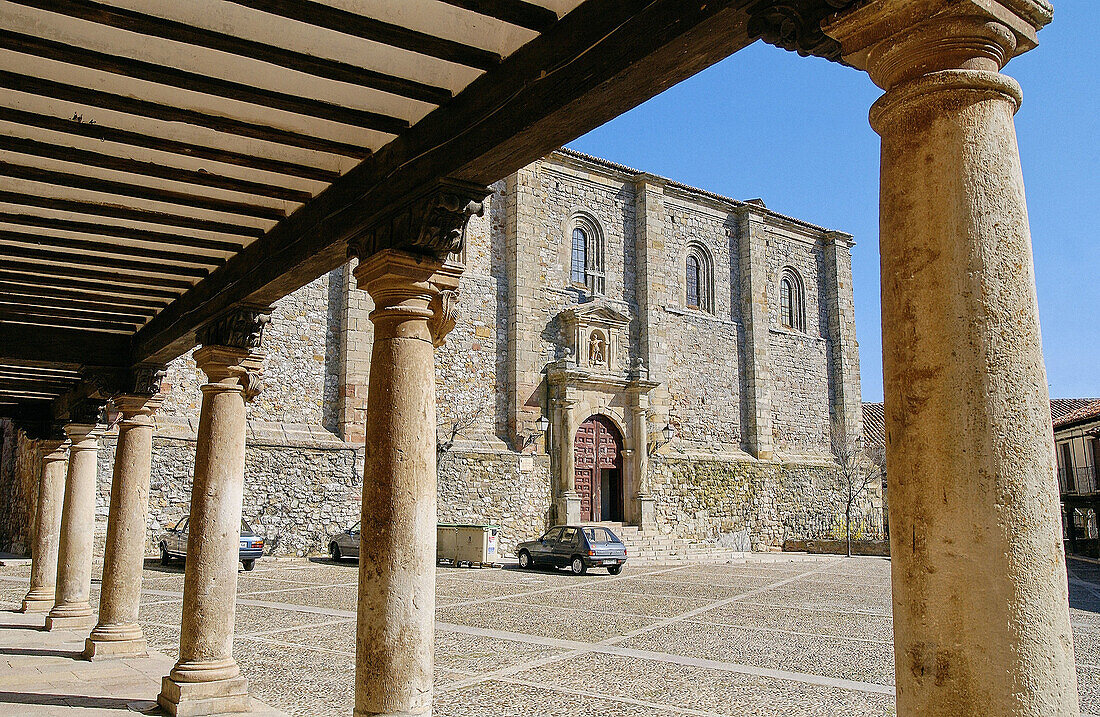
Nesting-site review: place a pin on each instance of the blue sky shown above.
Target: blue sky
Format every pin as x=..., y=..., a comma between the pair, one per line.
x=767, y=123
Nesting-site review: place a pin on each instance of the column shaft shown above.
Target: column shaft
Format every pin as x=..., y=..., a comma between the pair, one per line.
x=569, y=502
x=206, y=679
x=72, y=610
x=118, y=634
x=47, y=531
x=396, y=609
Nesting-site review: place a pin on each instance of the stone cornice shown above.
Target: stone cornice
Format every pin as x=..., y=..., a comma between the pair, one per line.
x=241, y=328
x=432, y=223
x=563, y=374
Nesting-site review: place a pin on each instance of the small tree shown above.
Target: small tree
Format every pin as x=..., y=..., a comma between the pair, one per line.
x=859, y=466
x=465, y=418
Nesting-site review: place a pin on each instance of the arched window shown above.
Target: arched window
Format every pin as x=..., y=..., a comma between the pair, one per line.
x=698, y=279
x=792, y=301
x=586, y=255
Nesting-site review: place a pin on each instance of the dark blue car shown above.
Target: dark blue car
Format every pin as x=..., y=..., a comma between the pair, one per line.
x=173, y=544
x=577, y=547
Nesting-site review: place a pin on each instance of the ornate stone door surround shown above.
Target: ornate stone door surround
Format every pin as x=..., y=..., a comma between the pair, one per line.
x=589, y=381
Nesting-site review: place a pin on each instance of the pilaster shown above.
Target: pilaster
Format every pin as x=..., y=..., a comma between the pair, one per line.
x=844, y=387
x=755, y=317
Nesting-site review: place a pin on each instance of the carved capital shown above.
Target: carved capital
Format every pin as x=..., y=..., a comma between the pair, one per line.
x=795, y=25
x=87, y=412
x=432, y=223
x=444, y=308
x=241, y=328
x=141, y=380
x=231, y=369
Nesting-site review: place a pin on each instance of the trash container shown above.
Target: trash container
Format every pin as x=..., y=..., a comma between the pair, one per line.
x=465, y=543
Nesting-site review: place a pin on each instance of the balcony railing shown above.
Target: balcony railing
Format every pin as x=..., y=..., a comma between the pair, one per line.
x=1078, y=480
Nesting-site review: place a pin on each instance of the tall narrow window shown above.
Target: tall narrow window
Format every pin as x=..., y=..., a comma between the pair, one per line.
x=693, y=281
x=698, y=279
x=580, y=256
x=792, y=301
x=586, y=254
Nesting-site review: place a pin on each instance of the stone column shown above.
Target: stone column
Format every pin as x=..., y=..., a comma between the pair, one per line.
x=47, y=531
x=569, y=502
x=396, y=610
x=206, y=679
x=118, y=634
x=72, y=611
x=981, y=617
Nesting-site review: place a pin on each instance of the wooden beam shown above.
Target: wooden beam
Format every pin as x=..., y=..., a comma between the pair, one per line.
x=122, y=232
x=514, y=12
x=138, y=215
x=593, y=64
x=150, y=169
x=96, y=130
x=140, y=191
x=86, y=96
x=44, y=308
x=79, y=287
x=85, y=260
x=182, y=79
x=123, y=250
x=111, y=280
x=8, y=296
x=43, y=318
x=368, y=28
x=62, y=346
x=166, y=29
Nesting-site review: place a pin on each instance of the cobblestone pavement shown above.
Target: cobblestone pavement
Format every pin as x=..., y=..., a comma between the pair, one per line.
x=765, y=638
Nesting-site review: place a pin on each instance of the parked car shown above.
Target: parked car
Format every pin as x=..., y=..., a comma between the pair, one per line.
x=345, y=545
x=173, y=544
x=578, y=547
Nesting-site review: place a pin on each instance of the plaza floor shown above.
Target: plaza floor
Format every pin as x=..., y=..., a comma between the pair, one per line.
x=774, y=637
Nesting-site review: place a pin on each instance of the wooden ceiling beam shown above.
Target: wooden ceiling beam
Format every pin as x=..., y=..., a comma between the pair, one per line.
x=107, y=262
x=139, y=191
x=24, y=298
x=111, y=280
x=121, y=212
x=121, y=250
x=514, y=12
x=193, y=81
x=175, y=31
x=86, y=96
x=46, y=319
x=122, y=232
x=35, y=148
x=44, y=308
x=368, y=28
x=97, y=130
x=84, y=288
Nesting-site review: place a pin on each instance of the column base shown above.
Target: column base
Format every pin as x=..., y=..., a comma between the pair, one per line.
x=193, y=699
x=425, y=713
x=97, y=649
x=70, y=622
x=569, y=508
x=38, y=601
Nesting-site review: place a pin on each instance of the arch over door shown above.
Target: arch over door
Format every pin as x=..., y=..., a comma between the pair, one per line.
x=598, y=448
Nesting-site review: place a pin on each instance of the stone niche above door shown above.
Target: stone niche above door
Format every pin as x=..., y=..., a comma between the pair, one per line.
x=591, y=331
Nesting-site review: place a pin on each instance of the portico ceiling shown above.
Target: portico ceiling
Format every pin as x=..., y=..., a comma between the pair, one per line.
x=164, y=161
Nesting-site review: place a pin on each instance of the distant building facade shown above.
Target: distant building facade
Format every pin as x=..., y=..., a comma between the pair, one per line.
x=689, y=353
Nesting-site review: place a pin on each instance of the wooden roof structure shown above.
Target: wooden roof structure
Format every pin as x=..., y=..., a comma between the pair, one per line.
x=163, y=162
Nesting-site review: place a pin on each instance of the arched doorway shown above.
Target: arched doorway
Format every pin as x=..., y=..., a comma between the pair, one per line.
x=599, y=469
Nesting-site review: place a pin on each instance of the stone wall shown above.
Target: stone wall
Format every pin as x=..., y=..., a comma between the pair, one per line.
x=300, y=486
x=19, y=471
x=707, y=498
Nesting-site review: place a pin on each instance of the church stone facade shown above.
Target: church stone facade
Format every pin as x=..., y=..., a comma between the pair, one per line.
x=690, y=356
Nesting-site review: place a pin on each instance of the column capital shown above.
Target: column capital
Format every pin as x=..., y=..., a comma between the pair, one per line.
x=241, y=328
x=137, y=406
x=432, y=222
x=139, y=380
x=230, y=368
x=84, y=418
x=899, y=40
x=55, y=448
x=411, y=286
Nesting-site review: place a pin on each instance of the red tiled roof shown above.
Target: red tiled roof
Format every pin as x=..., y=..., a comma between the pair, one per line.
x=1063, y=411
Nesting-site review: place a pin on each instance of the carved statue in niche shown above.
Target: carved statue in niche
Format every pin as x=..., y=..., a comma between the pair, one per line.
x=597, y=349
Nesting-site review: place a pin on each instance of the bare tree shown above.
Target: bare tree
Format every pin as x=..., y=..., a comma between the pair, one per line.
x=463, y=419
x=859, y=466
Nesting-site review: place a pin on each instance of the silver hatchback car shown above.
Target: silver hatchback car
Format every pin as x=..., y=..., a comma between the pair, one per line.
x=173, y=544
x=345, y=545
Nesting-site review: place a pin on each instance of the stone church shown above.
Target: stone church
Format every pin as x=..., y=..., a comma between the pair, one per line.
x=627, y=349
